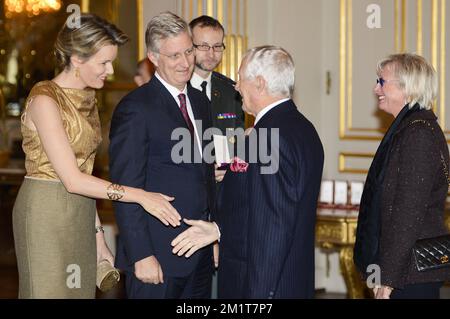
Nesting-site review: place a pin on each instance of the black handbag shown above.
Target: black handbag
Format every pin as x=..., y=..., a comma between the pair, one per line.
x=432, y=253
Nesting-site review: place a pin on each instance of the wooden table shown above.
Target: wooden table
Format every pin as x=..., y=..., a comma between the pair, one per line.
x=336, y=229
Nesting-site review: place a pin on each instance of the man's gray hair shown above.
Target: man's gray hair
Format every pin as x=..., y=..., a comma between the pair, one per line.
x=275, y=65
x=163, y=26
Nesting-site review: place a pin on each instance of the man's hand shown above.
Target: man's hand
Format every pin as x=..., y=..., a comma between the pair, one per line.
x=199, y=235
x=220, y=174
x=148, y=270
x=216, y=254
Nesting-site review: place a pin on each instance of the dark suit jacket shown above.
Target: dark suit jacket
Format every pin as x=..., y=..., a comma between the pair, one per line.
x=140, y=156
x=225, y=99
x=413, y=199
x=267, y=221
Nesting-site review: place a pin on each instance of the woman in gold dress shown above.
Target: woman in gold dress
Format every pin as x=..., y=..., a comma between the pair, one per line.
x=57, y=232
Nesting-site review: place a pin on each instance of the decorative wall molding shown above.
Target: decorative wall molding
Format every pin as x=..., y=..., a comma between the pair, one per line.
x=345, y=156
x=411, y=19
x=232, y=14
x=437, y=41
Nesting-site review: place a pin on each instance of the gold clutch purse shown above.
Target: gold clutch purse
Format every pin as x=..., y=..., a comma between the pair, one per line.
x=107, y=275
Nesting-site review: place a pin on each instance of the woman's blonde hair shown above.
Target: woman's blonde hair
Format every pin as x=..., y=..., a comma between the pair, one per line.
x=416, y=76
x=86, y=39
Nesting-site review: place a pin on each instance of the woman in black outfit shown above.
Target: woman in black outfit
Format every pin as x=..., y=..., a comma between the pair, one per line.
x=406, y=187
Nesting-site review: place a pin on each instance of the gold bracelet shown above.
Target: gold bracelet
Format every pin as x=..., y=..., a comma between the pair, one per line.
x=115, y=191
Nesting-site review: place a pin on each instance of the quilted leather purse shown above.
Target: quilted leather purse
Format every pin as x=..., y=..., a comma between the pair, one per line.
x=433, y=253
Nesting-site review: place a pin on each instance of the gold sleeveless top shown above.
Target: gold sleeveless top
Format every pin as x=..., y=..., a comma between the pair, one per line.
x=78, y=109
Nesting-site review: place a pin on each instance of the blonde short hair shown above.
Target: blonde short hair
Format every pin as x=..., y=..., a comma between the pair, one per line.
x=416, y=76
x=87, y=39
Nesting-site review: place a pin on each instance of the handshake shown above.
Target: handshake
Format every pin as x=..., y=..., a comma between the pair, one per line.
x=200, y=234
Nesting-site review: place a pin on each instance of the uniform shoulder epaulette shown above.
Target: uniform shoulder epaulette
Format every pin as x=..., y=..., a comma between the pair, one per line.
x=222, y=77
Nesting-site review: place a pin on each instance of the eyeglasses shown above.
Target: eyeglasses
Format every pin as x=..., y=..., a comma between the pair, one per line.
x=176, y=56
x=205, y=47
x=381, y=81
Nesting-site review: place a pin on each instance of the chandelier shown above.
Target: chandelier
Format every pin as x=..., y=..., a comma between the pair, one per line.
x=30, y=7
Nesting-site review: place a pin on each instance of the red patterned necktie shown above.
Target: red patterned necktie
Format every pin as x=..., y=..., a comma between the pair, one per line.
x=183, y=109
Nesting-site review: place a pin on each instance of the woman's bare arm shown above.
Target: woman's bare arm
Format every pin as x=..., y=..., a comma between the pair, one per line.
x=44, y=115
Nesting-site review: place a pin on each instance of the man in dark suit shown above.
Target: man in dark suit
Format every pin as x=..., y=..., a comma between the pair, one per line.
x=226, y=103
x=143, y=135
x=266, y=211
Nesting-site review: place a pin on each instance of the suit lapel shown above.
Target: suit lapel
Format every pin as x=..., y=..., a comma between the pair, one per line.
x=198, y=115
x=281, y=108
x=216, y=97
x=195, y=110
x=169, y=103
x=215, y=93
x=171, y=107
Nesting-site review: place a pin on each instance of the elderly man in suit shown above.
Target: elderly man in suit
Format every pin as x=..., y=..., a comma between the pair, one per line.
x=266, y=210
x=141, y=155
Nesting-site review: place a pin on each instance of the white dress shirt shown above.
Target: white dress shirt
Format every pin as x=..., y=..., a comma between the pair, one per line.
x=268, y=108
x=197, y=80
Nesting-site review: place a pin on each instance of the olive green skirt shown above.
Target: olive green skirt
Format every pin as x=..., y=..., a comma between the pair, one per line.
x=54, y=235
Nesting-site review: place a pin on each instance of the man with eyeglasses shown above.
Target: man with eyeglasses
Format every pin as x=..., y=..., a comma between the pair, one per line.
x=141, y=147
x=226, y=103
